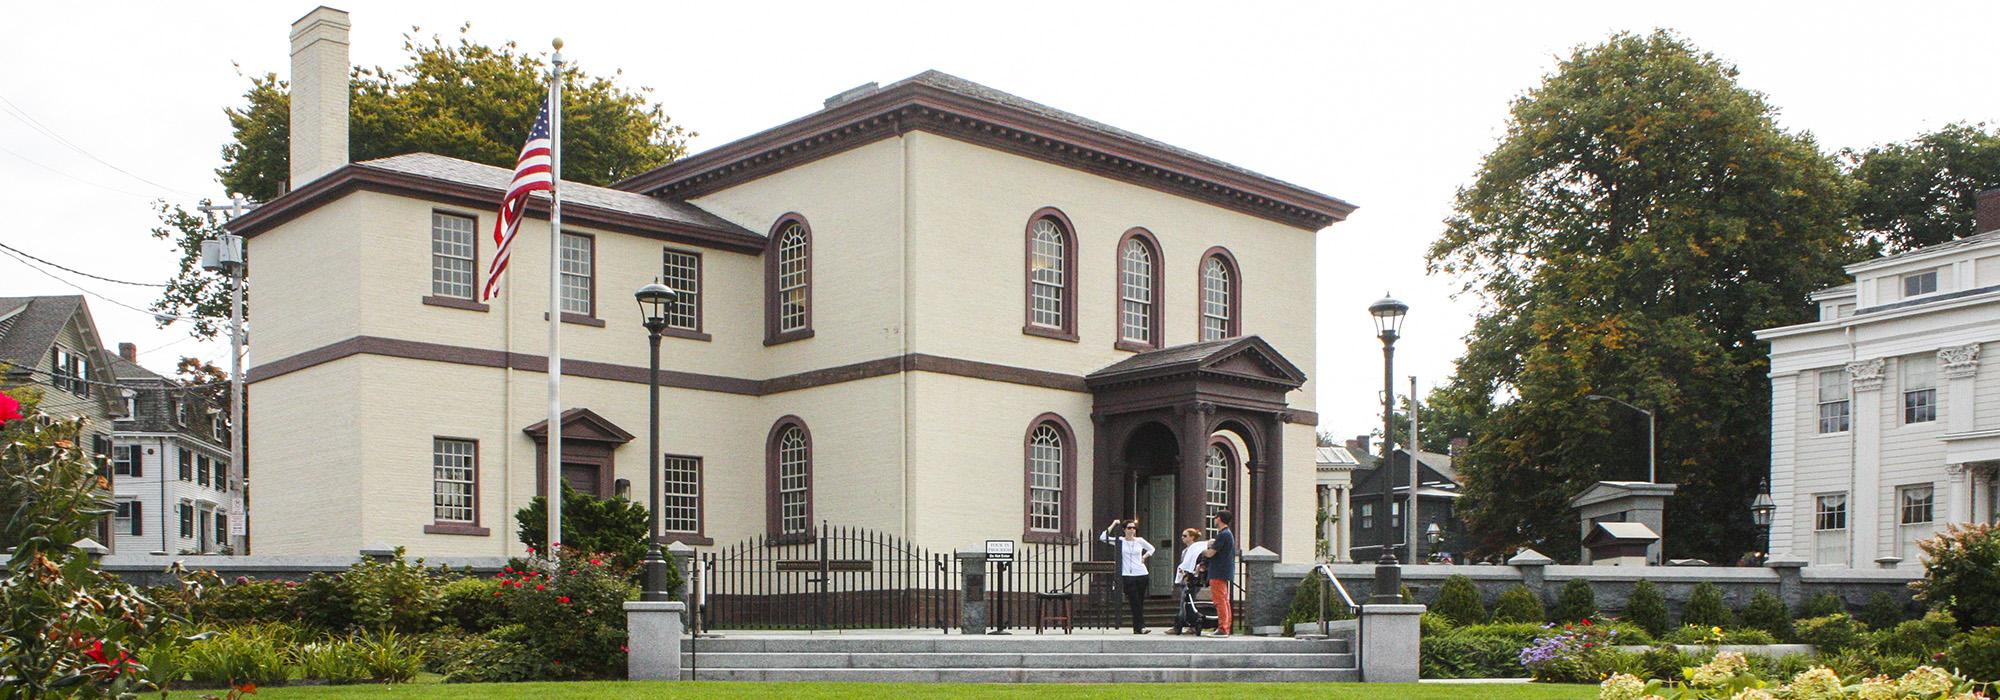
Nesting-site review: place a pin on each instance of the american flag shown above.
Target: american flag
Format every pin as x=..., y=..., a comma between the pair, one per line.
x=531, y=174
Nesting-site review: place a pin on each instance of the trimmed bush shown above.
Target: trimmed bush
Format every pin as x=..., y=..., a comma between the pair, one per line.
x=1962, y=574
x=1706, y=609
x=1823, y=605
x=470, y=604
x=1976, y=654
x=1882, y=611
x=1458, y=601
x=1832, y=634
x=1518, y=604
x=1576, y=602
x=1647, y=608
x=1918, y=638
x=1432, y=624
x=1305, y=605
x=1766, y=612
x=1665, y=662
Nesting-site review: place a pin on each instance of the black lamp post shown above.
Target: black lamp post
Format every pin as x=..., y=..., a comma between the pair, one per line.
x=1388, y=315
x=654, y=300
x=1434, y=535
x=1761, y=510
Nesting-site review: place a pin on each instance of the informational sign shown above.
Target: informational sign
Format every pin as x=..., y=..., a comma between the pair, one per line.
x=1000, y=550
x=238, y=525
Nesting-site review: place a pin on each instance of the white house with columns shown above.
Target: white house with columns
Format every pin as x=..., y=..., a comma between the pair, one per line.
x=1885, y=425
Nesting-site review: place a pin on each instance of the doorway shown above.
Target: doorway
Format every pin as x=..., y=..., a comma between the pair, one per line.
x=585, y=478
x=1156, y=524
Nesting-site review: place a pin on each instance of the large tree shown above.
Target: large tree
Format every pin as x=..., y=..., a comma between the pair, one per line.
x=1922, y=191
x=463, y=99
x=1642, y=217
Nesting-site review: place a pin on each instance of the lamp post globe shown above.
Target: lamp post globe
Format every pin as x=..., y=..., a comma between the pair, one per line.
x=654, y=301
x=1388, y=314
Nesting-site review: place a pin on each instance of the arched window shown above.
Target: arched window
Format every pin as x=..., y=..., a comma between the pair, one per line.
x=1215, y=488
x=788, y=281
x=1221, y=296
x=1051, y=276
x=1051, y=479
x=1139, y=287
x=788, y=468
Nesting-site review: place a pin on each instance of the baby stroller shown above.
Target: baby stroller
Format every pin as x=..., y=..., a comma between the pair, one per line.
x=1196, y=610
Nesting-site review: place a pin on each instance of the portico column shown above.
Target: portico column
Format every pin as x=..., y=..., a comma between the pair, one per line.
x=1957, y=494
x=1343, y=526
x=1958, y=365
x=1267, y=476
x=1191, y=487
x=1864, y=527
x=1107, y=475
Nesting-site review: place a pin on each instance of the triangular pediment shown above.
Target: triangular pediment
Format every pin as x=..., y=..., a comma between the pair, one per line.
x=1247, y=357
x=582, y=424
x=1255, y=358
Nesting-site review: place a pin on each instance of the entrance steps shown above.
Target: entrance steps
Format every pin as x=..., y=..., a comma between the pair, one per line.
x=1016, y=658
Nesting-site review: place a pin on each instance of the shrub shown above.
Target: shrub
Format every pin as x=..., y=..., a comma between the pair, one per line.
x=1962, y=574
x=1823, y=605
x=1432, y=624
x=441, y=649
x=1626, y=632
x=1690, y=634
x=1732, y=675
x=251, y=654
x=1458, y=601
x=1705, y=607
x=1568, y=654
x=335, y=661
x=469, y=603
x=1882, y=611
x=323, y=603
x=1920, y=638
x=1831, y=633
x=1647, y=608
x=1470, y=656
x=612, y=527
x=1305, y=604
x=389, y=657
x=1766, y=612
x=1576, y=602
x=1665, y=662
x=393, y=595
x=247, y=601
x=1518, y=604
x=496, y=659
x=1976, y=653
x=575, y=620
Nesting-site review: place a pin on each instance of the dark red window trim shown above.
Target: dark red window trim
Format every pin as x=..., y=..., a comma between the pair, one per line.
x=773, y=515
x=700, y=534
x=1158, y=320
x=700, y=295
x=1067, y=331
x=1067, y=525
x=433, y=299
x=438, y=527
x=1236, y=464
x=773, y=336
x=1235, y=293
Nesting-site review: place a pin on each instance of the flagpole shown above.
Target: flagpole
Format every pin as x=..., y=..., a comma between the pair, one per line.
x=554, y=465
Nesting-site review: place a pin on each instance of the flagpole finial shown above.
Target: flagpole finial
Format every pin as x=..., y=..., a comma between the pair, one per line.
x=557, y=43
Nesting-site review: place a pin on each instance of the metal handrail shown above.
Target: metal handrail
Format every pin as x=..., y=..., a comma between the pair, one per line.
x=1327, y=571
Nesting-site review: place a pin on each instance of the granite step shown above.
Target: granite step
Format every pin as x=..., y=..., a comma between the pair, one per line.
x=971, y=660
x=1030, y=675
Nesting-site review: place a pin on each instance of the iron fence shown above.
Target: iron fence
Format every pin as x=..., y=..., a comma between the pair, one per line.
x=838, y=578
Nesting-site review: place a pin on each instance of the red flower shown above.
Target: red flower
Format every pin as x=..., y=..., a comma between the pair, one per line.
x=623, y=650
x=1585, y=621
x=496, y=594
x=96, y=653
x=562, y=599
x=10, y=409
x=538, y=586
x=596, y=562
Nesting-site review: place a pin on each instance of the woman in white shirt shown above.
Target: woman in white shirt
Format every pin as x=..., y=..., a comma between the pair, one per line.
x=1186, y=576
x=1132, y=553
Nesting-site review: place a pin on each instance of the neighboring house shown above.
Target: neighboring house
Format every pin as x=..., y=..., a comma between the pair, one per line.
x=1884, y=423
x=1335, y=466
x=170, y=453
x=931, y=309
x=51, y=344
x=1372, y=523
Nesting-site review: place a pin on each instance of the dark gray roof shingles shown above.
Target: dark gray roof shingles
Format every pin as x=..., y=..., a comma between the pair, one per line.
x=30, y=333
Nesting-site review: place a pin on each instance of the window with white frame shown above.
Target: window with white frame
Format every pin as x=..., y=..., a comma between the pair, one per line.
x=453, y=478
x=681, y=272
x=125, y=519
x=794, y=482
x=221, y=529
x=1916, y=508
x=1215, y=484
x=794, y=276
x=187, y=519
x=680, y=494
x=1396, y=514
x=577, y=274
x=1830, y=530
x=201, y=467
x=1135, y=292
x=186, y=464
x=1045, y=479
x=180, y=411
x=125, y=460
x=218, y=428
x=453, y=255
x=1919, y=388
x=1833, y=407
x=1217, y=286
x=1920, y=283
x=70, y=371
x=1047, y=276
x=132, y=406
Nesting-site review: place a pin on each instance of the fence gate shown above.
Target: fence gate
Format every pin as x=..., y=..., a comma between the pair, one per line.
x=1075, y=569
x=838, y=578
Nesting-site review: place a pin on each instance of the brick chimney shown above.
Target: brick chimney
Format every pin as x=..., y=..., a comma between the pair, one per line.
x=1458, y=444
x=320, y=92
x=129, y=351
x=1987, y=214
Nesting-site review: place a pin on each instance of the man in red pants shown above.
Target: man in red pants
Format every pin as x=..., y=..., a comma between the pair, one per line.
x=1222, y=568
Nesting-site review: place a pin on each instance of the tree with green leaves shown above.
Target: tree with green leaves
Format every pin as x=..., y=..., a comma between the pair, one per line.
x=1705, y=608
x=1642, y=218
x=1924, y=191
x=1458, y=601
x=464, y=99
x=612, y=526
x=1647, y=608
x=1576, y=602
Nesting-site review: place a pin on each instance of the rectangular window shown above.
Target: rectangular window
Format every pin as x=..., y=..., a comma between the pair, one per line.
x=577, y=266
x=1830, y=530
x=1917, y=510
x=221, y=529
x=681, y=272
x=187, y=520
x=1833, y=409
x=1396, y=514
x=201, y=470
x=131, y=407
x=1367, y=516
x=1921, y=283
x=70, y=371
x=125, y=460
x=1919, y=388
x=180, y=411
x=205, y=524
x=218, y=428
x=680, y=494
x=126, y=517
x=187, y=465
x=453, y=462
x=452, y=255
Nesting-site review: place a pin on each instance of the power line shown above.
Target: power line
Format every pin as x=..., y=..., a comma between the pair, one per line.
x=22, y=115
x=109, y=300
x=76, y=271
x=175, y=384
x=107, y=188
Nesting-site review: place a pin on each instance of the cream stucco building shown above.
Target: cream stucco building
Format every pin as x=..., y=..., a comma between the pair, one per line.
x=931, y=309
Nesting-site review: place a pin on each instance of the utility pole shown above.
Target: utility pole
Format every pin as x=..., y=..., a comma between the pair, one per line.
x=1416, y=477
x=225, y=254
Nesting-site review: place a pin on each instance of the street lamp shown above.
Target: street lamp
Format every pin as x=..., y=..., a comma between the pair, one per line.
x=1388, y=315
x=1434, y=535
x=654, y=300
x=1761, y=510
x=1651, y=444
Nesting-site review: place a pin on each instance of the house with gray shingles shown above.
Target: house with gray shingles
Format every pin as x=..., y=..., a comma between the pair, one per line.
x=1374, y=522
x=51, y=344
x=170, y=460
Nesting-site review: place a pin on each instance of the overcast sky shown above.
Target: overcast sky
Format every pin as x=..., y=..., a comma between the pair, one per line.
x=1390, y=106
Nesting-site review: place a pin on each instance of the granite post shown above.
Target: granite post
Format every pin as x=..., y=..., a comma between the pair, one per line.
x=653, y=640
x=972, y=591
x=1790, y=586
x=1266, y=615
x=1391, y=642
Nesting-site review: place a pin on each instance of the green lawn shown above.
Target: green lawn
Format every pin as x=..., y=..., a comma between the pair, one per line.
x=705, y=690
